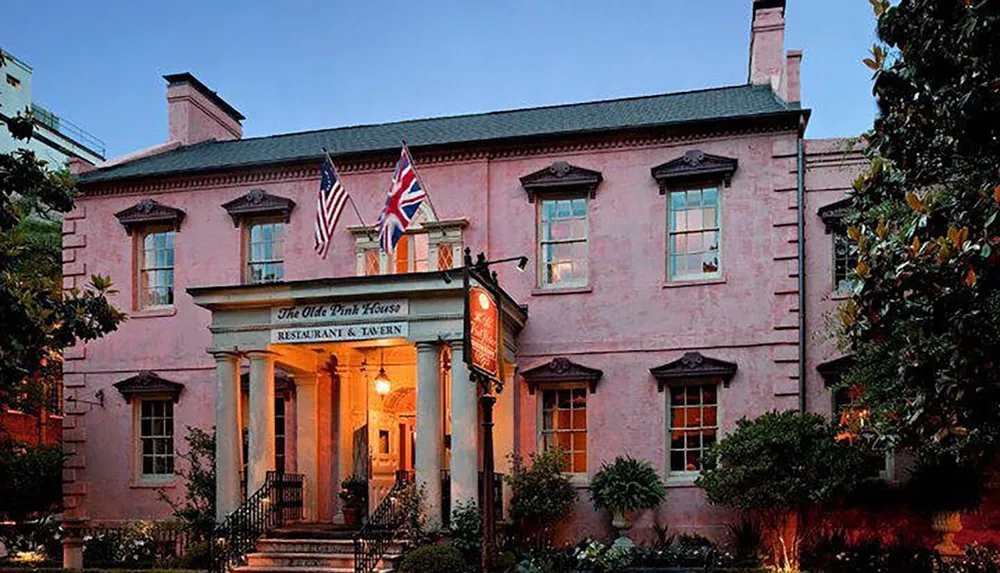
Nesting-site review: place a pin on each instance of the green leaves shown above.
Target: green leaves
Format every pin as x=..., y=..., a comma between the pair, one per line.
x=627, y=484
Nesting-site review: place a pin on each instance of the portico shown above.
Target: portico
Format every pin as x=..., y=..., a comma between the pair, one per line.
x=330, y=338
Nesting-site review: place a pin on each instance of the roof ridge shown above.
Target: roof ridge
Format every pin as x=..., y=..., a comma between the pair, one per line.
x=495, y=112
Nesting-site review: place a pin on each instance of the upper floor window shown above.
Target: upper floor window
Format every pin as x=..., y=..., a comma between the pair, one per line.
x=563, y=256
x=695, y=234
x=13, y=82
x=427, y=245
x=844, y=262
x=265, y=252
x=156, y=268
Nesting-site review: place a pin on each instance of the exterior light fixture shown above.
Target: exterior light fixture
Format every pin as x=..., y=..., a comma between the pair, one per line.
x=522, y=263
x=382, y=383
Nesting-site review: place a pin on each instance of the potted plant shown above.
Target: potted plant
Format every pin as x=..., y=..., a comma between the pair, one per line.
x=625, y=487
x=943, y=490
x=353, y=492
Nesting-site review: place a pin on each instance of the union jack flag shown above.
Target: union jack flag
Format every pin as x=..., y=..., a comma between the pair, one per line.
x=405, y=197
x=329, y=205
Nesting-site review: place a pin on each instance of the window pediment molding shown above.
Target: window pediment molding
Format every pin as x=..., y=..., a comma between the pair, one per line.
x=833, y=214
x=694, y=166
x=149, y=212
x=693, y=366
x=561, y=370
x=832, y=370
x=148, y=383
x=259, y=203
x=561, y=177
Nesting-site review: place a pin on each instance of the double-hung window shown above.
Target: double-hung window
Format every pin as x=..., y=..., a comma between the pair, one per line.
x=563, y=253
x=427, y=245
x=694, y=224
x=844, y=262
x=156, y=437
x=693, y=425
x=265, y=252
x=564, y=425
x=156, y=268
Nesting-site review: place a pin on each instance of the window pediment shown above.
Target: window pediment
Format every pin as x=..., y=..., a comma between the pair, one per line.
x=149, y=212
x=832, y=370
x=561, y=177
x=146, y=383
x=561, y=371
x=694, y=166
x=833, y=214
x=259, y=203
x=693, y=365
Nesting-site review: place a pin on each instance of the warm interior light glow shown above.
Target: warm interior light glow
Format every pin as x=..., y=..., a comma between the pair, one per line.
x=382, y=383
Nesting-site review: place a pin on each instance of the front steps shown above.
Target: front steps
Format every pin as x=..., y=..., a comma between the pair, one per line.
x=311, y=548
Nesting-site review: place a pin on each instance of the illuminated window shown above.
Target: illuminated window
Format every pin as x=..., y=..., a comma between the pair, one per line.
x=564, y=425
x=563, y=256
x=156, y=437
x=156, y=269
x=694, y=234
x=265, y=252
x=694, y=425
x=421, y=249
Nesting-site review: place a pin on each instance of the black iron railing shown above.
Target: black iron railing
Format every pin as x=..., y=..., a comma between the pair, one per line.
x=372, y=541
x=446, y=495
x=277, y=502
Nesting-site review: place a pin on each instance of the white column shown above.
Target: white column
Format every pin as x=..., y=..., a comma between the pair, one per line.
x=307, y=442
x=464, y=431
x=261, y=427
x=227, y=434
x=430, y=439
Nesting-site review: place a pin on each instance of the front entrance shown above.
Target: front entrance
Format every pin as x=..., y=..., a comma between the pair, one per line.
x=376, y=389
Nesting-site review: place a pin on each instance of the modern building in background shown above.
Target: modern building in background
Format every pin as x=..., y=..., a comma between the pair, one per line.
x=55, y=139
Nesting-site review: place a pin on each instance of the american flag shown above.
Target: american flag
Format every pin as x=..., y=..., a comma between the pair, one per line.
x=329, y=204
x=405, y=197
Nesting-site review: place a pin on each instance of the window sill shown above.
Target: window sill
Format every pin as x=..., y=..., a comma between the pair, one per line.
x=561, y=290
x=578, y=481
x=840, y=296
x=694, y=282
x=681, y=481
x=153, y=483
x=154, y=312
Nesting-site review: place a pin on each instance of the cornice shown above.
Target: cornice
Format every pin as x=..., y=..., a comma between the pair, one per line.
x=298, y=170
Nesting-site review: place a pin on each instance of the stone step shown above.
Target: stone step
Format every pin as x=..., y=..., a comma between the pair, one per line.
x=288, y=559
x=306, y=546
x=269, y=569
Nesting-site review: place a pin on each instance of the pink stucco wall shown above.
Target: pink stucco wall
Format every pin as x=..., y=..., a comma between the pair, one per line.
x=629, y=320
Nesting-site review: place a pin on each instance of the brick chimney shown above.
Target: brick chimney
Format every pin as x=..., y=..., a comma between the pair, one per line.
x=768, y=63
x=196, y=113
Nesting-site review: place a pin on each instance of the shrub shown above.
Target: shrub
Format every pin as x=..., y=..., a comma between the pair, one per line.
x=777, y=465
x=747, y=541
x=541, y=495
x=433, y=559
x=354, y=492
x=627, y=484
x=30, y=490
x=466, y=531
x=197, y=509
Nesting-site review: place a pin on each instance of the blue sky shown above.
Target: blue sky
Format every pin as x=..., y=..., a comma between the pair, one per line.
x=297, y=65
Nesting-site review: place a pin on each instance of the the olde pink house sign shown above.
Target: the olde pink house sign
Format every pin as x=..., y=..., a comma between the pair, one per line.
x=683, y=249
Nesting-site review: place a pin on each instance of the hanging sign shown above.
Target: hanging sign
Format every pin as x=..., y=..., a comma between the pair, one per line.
x=482, y=330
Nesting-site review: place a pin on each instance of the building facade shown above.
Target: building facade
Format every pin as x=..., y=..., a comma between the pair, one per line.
x=682, y=251
x=55, y=139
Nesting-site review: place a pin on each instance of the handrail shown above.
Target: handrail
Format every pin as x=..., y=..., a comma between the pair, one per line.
x=277, y=501
x=373, y=539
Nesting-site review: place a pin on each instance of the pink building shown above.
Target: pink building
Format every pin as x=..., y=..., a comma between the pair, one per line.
x=682, y=255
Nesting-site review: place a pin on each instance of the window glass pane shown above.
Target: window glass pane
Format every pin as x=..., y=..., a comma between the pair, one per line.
x=693, y=424
x=564, y=424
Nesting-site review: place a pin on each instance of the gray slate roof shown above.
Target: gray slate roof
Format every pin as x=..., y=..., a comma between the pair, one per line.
x=639, y=112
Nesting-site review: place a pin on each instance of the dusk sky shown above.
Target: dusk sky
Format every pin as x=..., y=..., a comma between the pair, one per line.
x=294, y=65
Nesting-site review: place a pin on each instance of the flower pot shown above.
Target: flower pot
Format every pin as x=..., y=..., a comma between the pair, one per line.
x=351, y=515
x=947, y=523
x=622, y=520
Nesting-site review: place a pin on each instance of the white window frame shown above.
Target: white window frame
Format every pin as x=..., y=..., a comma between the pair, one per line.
x=140, y=267
x=688, y=477
x=140, y=478
x=577, y=478
x=540, y=243
x=440, y=235
x=248, y=226
x=718, y=274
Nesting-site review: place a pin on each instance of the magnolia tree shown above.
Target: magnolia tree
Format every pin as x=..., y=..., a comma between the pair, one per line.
x=38, y=317
x=923, y=323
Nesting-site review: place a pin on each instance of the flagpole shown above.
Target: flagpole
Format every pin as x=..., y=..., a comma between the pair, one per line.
x=349, y=197
x=413, y=164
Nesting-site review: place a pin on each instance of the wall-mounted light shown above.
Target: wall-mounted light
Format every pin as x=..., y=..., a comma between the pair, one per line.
x=522, y=263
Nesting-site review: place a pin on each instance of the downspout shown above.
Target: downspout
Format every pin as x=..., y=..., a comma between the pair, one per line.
x=801, y=191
